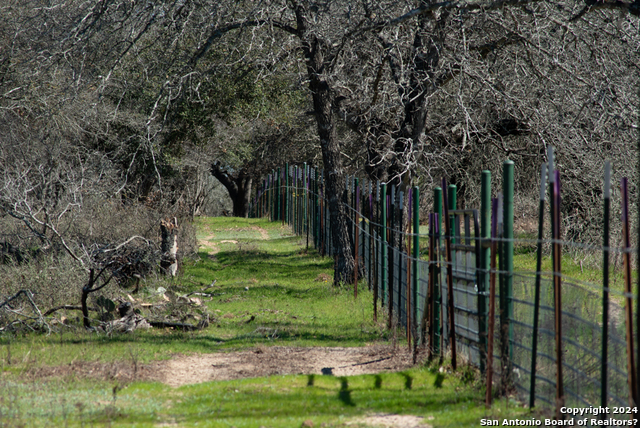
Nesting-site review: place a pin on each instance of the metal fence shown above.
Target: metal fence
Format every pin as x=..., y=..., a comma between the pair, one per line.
x=554, y=340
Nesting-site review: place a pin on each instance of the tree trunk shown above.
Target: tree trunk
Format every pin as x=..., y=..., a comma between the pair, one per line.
x=238, y=186
x=241, y=198
x=83, y=300
x=335, y=181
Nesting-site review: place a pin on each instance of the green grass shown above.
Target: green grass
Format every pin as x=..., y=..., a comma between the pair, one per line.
x=277, y=401
x=288, y=290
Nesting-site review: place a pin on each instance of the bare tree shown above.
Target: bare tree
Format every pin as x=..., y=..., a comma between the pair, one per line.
x=432, y=88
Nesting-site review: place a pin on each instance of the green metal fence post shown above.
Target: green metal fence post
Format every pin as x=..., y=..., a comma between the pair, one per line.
x=506, y=302
x=437, y=307
x=453, y=203
x=383, y=242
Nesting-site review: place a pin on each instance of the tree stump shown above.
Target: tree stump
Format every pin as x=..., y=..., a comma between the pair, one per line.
x=169, y=246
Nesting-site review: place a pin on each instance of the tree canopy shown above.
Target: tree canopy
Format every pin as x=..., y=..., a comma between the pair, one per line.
x=425, y=88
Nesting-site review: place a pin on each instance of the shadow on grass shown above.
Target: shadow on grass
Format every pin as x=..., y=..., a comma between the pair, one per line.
x=296, y=402
x=344, y=394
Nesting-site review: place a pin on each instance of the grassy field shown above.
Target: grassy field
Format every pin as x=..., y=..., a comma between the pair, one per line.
x=269, y=290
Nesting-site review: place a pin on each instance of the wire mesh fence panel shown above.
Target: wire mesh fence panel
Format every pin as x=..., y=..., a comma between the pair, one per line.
x=617, y=379
x=581, y=344
x=395, y=278
x=402, y=288
x=423, y=286
x=523, y=286
x=365, y=252
x=443, y=297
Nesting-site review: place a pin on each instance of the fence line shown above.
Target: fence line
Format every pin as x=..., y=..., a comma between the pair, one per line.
x=545, y=335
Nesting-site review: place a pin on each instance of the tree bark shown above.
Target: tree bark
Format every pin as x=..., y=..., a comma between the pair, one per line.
x=314, y=50
x=242, y=198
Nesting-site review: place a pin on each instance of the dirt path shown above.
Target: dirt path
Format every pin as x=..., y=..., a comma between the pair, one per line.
x=278, y=360
x=257, y=362
x=261, y=361
x=206, y=243
x=263, y=233
x=213, y=248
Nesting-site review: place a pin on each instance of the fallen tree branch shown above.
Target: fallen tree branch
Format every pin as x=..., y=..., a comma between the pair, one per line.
x=29, y=296
x=14, y=297
x=67, y=307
